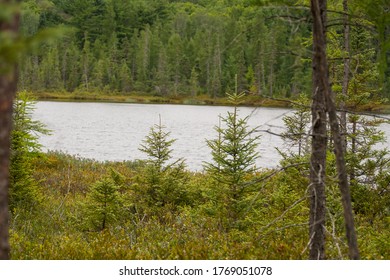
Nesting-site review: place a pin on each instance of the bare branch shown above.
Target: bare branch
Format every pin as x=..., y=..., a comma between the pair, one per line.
x=308, y=243
x=262, y=179
x=282, y=215
x=336, y=239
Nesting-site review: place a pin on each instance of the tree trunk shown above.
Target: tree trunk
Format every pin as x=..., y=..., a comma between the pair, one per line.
x=319, y=136
x=347, y=50
x=7, y=93
x=318, y=8
x=352, y=175
x=7, y=90
x=343, y=178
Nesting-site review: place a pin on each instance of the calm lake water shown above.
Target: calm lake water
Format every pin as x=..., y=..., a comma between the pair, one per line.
x=114, y=131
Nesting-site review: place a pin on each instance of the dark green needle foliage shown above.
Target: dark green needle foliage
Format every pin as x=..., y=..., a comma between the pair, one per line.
x=24, y=191
x=162, y=182
x=296, y=134
x=234, y=155
x=157, y=146
x=104, y=202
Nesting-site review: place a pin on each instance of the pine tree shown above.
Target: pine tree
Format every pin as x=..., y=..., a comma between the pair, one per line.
x=162, y=74
x=73, y=67
x=175, y=53
x=86, y=64
x=143, y=58
x=99, y=75
x=234, y=155
x=125, y=79
x=162, y=183
x=24, y=190
x=296, y=134
x=104, y=202
x=194, y=83
x=157, y=146
x=50, y=70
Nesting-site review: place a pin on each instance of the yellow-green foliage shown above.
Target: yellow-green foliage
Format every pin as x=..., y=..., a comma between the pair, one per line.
x=274, y=226
x=72, y=175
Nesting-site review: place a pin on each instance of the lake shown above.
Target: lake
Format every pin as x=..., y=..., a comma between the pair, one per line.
x=114, y=131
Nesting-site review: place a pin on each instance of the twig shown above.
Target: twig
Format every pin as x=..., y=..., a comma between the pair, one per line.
x=284, y=227
x=308, y=245
x=259, y=180
x=333, y=233
x=282, y=215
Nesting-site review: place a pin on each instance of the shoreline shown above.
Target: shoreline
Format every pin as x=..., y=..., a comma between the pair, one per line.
x=250, y=101
x=201, y=100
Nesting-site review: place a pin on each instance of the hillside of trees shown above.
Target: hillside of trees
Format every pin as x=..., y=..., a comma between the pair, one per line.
x=186, y=48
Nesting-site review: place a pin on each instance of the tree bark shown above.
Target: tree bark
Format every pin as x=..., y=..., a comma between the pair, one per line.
x=319, y=136
x=347, y=50
x=7, y=90
x=7, y=94
x=318, y=9
x=343, y=179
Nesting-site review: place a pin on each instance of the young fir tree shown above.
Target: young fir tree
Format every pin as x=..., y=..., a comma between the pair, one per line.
x=234, y=155
x=104, y=202
x=163, y=182
x=296, y=134
x=24, y=191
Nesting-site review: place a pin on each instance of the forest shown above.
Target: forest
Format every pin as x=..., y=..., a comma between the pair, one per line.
x=328, y=199
x=190, y=48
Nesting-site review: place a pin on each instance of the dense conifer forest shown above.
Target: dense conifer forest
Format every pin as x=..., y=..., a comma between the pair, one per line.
x=188, y=48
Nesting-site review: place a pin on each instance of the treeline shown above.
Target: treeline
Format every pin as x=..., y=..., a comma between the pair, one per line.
x=181, y=48
x=186, y=48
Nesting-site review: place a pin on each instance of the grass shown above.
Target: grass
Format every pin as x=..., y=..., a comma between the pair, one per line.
x=153, y=99
x=143, y=98
x=57, y=228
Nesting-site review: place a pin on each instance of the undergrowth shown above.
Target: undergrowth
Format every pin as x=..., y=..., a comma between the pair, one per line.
x=274, y=225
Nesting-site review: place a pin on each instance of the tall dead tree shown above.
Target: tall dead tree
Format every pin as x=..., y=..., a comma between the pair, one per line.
x=319, y=135
x=9, y=26
x=347, y=63
x=323, y=93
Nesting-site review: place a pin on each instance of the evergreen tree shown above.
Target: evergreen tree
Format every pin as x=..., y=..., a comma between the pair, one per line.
x=125, y=79
x=194, y=82
x=24, y=190
x=73, y=67
x=163, y=182
x=104, y=202
x=50, y=70
x=175, y=56
x=234, y=155
x=157, y=146
x=86, y=64
x=143, y=59
x=296, y=134
x=99, y=74
x=162, y=75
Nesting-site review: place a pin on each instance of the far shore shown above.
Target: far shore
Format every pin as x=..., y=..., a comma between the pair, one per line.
x=250, y=101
